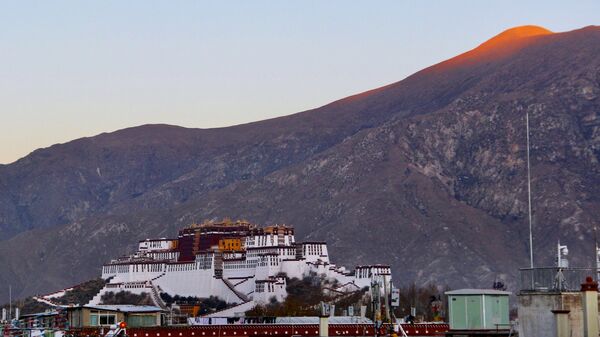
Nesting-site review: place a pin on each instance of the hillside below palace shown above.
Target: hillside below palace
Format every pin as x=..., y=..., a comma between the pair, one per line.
x=238, y=262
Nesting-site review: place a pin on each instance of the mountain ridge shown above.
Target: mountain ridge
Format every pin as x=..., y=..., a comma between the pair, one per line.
x=435, y=161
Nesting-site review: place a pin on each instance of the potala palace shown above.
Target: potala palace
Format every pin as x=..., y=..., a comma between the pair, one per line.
x=237, y=261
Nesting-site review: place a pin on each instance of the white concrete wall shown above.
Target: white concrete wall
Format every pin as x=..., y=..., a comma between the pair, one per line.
x=246, y=286
x=197, y=282
x=238, y=310
x=276, y=289
x=198, y=278
x=294, y=269
x=536, y=318
x=238, y=268
x=140, y=272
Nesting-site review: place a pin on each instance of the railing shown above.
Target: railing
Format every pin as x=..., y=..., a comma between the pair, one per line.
x=238, y=293
x=156, y=297
x=553, y=279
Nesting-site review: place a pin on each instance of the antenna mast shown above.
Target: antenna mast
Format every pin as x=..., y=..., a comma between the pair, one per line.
x=529, y=193
x=597, y=253
x=9, y=302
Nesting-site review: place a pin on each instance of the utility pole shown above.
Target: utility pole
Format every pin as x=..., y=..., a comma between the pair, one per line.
x=386, y=300
x=597, y=254
x=9, y=303
x=376, y=300
x=529, y=197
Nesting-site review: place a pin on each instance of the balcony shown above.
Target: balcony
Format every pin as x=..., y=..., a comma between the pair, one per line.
x=554, y=279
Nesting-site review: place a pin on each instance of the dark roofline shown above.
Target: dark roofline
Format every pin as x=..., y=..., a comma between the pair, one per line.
x=154, y=240
x=40, y=314
x=270, y=247
x=373, y=266
x=125, y=308
x=135, y=262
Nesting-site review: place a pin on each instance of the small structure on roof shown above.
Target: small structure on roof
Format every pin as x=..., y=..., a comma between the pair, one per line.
x=105, y=315
x=51, y=319
x=478, y=309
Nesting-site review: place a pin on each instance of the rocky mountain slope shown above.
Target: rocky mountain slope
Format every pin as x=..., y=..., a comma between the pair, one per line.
x=426, y=174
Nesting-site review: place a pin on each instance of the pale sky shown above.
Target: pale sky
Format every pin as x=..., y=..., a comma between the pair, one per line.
x=71, y=69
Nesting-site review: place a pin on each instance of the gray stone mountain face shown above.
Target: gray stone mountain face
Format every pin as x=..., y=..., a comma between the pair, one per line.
x=427, y=174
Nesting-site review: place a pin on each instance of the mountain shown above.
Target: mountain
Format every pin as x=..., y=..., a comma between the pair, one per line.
x=427, y=174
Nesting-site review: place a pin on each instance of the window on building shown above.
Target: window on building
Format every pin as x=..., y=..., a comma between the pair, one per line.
x=93, y=319
x=102, y=318
x=141, y=320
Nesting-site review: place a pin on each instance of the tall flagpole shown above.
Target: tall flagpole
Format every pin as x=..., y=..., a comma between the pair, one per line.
x=529, y=193
x=596, y=254
x=9, y=303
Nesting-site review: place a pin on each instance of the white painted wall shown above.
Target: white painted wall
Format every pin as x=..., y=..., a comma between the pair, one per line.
x=266, y=257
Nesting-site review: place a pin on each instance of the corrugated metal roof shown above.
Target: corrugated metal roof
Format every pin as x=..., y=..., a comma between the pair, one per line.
x=315, y=320
x=124, y=308
x=477, y=292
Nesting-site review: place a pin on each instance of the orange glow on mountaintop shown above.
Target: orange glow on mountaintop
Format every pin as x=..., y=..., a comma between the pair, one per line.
x=505, y=43
x=502, y=45
x=511, y=36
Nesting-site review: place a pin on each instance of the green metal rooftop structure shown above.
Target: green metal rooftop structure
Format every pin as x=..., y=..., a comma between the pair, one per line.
x=478, y=309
